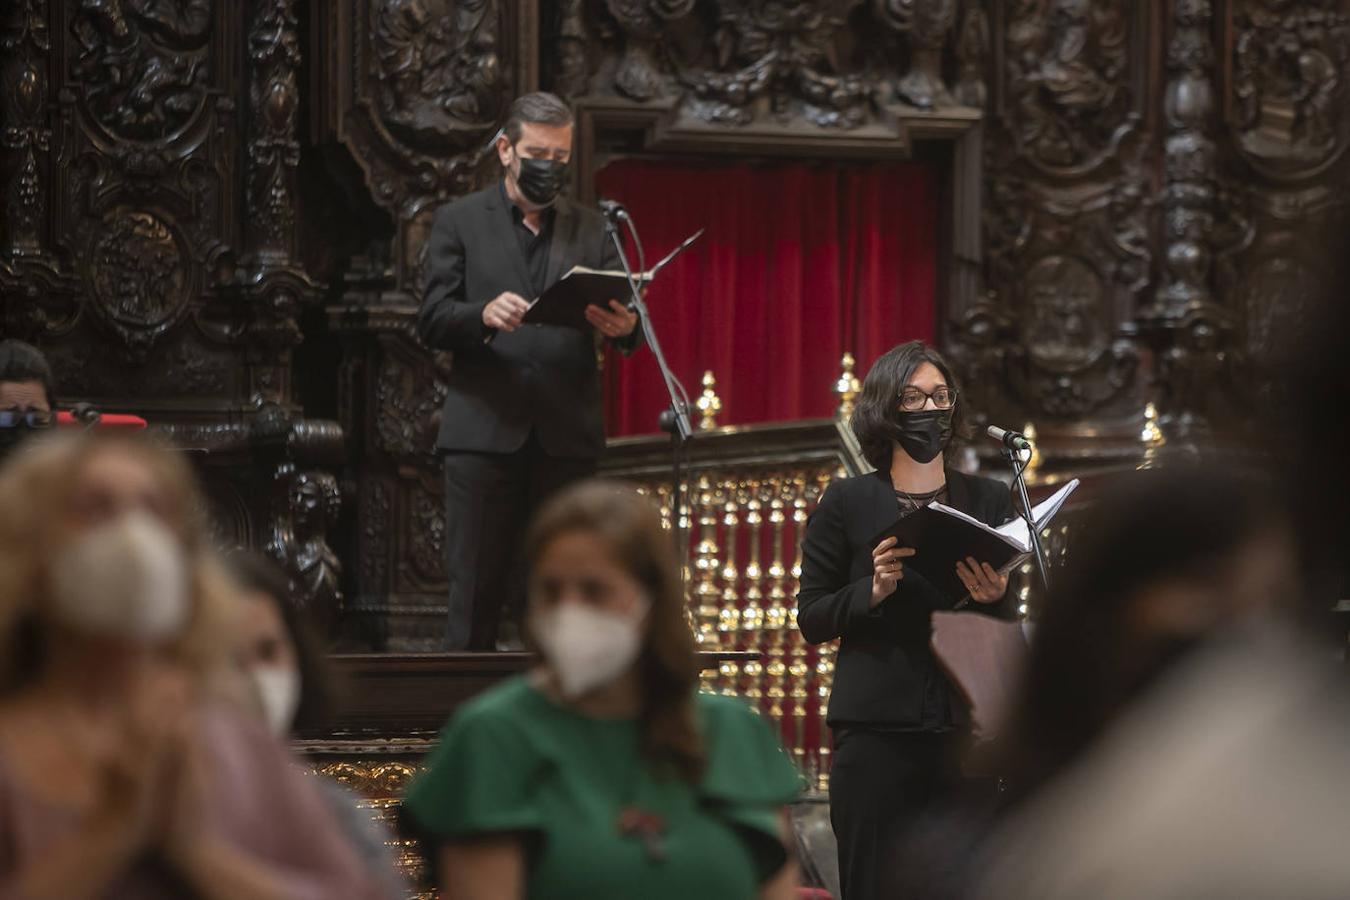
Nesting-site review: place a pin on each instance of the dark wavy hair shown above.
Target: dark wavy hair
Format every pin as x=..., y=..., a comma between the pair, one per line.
x=874, y=415
x=255, y=572
x=24, y=362
x=668, y=665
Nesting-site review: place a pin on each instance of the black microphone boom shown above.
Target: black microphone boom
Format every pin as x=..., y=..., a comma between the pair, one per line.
x=1010, y=439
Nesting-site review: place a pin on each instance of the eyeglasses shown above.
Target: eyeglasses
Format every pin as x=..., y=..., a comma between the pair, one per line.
x=33, y=418
x=912, y=399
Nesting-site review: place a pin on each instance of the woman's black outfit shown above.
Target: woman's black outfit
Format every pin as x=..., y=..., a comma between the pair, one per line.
x=895, y=716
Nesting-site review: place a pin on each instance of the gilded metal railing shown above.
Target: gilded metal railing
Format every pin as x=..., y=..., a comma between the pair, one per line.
x=749, y=493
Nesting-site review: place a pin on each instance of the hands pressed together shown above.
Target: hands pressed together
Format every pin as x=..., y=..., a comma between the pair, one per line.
x=154, y=781
x=985, y=584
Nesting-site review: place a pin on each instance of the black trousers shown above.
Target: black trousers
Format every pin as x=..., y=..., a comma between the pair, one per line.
x=881, y=783
x=489, y=500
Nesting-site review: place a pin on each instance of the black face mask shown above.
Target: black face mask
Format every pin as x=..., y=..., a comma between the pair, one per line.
x=924, y=433
x=540, y=180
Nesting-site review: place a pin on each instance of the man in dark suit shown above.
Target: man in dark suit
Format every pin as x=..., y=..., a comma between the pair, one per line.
x=522, y=414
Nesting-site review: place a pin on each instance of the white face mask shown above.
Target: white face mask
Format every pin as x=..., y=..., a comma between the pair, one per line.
x=587, y=647
x=126, y=579
x=278, y=689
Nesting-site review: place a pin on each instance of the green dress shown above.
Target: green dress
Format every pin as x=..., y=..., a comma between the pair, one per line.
x=512, y=760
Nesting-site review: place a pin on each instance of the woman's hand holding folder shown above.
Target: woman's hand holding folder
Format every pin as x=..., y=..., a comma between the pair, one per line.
x=887, y=569
x=985, y=584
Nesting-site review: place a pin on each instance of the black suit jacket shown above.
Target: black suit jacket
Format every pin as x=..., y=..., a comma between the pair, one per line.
x=539, y=377
x=884, y=658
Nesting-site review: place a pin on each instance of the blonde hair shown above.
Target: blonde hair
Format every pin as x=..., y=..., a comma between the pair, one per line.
x=35, y=490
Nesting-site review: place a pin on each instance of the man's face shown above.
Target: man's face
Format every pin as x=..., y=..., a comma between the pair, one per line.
x=536, y=142
x=541, y=142
x=24, y=411
x=23, y=396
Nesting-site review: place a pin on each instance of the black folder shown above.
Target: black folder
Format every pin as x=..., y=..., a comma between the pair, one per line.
x=565, y=302
x=942, y=536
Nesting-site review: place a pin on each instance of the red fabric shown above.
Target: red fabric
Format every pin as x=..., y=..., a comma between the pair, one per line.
x=105, y=420
x=799, y=264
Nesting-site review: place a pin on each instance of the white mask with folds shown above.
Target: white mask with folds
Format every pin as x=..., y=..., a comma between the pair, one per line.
x=125, y=579
x=587, y=647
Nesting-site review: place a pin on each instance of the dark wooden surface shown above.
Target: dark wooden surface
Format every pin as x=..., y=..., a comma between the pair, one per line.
x=392, y=697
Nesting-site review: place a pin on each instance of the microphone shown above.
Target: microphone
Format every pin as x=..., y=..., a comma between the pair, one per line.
x=1010, y=439
x=613, y=210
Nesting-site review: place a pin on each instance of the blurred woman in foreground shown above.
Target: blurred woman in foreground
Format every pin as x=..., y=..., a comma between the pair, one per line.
x=603, y=773
x=120, y=775
x=1177, y=738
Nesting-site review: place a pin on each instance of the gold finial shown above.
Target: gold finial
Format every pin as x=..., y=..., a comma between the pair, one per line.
x=709, y=404
x=1151, y=437
x=1034, y=462
x=847, y=387
x=1151, y=434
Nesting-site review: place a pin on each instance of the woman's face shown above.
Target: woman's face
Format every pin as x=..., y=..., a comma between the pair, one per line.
x=927, y=378
x=578, y=566
x=112, y=483
x=263, y=641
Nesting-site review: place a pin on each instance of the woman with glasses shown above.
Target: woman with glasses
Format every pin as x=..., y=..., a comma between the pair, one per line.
x=897, y=720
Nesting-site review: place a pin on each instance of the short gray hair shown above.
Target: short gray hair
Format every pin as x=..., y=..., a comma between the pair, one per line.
x=539, y=108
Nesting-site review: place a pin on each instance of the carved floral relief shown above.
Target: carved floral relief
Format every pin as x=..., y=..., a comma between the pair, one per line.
x=1067, y=80
x=1290, y=65
x=143, y=64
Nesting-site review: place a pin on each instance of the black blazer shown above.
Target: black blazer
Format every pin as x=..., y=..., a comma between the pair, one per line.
x=539, y=377
x=884, y=660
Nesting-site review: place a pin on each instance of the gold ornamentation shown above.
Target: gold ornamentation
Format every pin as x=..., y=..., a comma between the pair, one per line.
x=707, y=598
x=1033, y=461
x=1151, y=437
x=847, y=387
x=708, y=403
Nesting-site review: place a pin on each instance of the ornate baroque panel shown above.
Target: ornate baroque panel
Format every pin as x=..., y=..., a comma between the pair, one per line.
x=1068, y=252
x=148, y=156
x=839, y=65
x=1281, y=85
x=415, y=90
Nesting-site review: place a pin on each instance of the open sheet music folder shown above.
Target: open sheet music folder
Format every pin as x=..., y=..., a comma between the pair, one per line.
x=941, y=536
x=565, y=302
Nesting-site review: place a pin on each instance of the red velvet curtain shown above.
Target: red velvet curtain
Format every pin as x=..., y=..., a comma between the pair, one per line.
x=799, y=264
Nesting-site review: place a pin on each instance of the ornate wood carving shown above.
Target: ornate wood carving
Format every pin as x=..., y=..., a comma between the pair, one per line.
x=1067, y=246
x=1287, y=85
x=1071, y=80
x=26, y=45
x=422, y=86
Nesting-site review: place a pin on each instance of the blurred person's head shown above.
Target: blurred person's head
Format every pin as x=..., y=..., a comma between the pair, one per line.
x=909, y=404
x=606, y=604
x=1162, y=562
x=27, y=398
x=105, y=559
x=1308, y=423
x=275, y=648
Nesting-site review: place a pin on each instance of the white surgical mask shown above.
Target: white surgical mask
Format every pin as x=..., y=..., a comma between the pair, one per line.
x=278, y=689
x=125, y=579
x=587, y=647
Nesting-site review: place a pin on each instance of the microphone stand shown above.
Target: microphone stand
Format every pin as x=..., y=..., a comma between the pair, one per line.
x=1032, y=528
x=675, y=419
